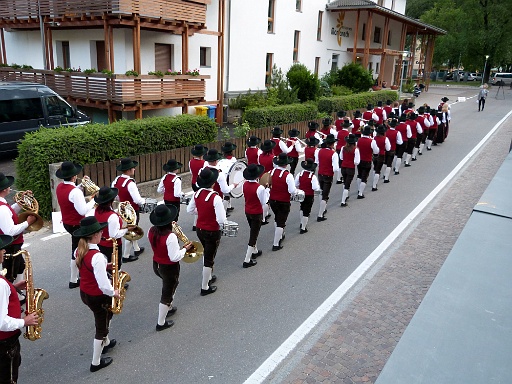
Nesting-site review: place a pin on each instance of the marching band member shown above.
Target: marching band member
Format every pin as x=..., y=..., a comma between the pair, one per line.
x=10, y=225
x=310, y=152
x=11, y=322
x=256, y=198
x=380, y=145
x=166, y=260
x=280, y=144
x=308, y=182
x=328, y=165
x=341, y=118
x=411, y=144
x=388, y=108
x=73, y=208
x=220, y=186
x=342, y=133
x=170, y=185
x=358, y=124
x=422, y=120
x=96, y=291
x=207, y=205
x=128, y=191
x=434, y=123
x=446, y=110
x=442, y=117
x=364, y=144
x=283, y=186
x=297, y=148
x=350, y=158
x=312, y=130
x=252, y=152
x=326, y=127
x=396, y=109
x=395, y=140
x=370, y=114
x=406, y=133
x=380, y=112
x=410, y=109
x=227, y=149
x=195, y=165
x=266, y=156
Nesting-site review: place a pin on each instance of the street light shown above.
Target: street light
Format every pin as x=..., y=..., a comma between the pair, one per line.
x=485, y=66
x=405, y=54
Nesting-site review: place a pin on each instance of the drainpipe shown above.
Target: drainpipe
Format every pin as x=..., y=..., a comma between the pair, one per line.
x=228, y=24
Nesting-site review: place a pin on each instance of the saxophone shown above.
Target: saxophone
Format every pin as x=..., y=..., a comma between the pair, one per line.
x=119, y=279
x=35, y=298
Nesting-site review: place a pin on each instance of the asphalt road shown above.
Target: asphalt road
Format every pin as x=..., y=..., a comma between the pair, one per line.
x=224, y=337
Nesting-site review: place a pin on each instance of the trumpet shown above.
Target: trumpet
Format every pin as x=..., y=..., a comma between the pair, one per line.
x=299, y=140
x=127, y=213
x=30, y=206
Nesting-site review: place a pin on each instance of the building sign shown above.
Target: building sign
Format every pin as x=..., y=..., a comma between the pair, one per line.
x=340, y=31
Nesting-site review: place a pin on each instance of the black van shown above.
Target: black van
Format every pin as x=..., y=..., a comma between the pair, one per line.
x=25, y=107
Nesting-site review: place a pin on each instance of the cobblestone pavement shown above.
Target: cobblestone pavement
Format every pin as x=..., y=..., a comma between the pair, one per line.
x=355, y=345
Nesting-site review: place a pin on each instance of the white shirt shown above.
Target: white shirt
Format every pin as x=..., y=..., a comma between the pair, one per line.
x=335, y=162
x=259, y=151
x=298, y=147
x=99, y=266
x=174, y=251
x=76, y=196
x=426, y=121
x=220, y=212
x=132, y=189
x=399, y=140
x=376, y=149
x=261, y=192
x=314, y=181
x=289, y=179
x=357, y=156
x=418, y=128
x=6, y=221
x=114, y=229
x=7, y=323
x=177, y=185
x=222, y=179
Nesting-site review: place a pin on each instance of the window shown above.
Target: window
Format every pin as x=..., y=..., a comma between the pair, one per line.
x=63, y=56
x=268, y=69
x=389, y=37
x=101, y=62
x=380, y=2
x=296, y=38
x=20, y=109
x=164, y=54
x=376, y=35
x=377, y=67
x=205, y=56
x=334, y=62
x=364, y=32
x=319, y=27
x=317, y=65
x=271, y=10
x=370, y=66
x=298, y=5
x=57, y=107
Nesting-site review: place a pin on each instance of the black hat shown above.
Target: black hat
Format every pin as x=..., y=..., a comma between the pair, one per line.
x=402, y=117
x=309, y=165
x=293, y=132
x=5, y=181
x=381, y=129
x=445, y=99
x=163, y=215
x=198, y=150
x=253, y=171
x=369, y=107
x=346, y=124
x=391, y=115
x=357, y=113
x=268, y=145
x=127, y=164
x=228, y=147
x=207, y=177
x=172, y=165
x=379, y=103
x=89, y=225
x=312, y=125
x=68, y=169
x=329, y=139
x=410, y=105
x=427, y=109
x=367, y=130
x=277, y=131
x=326, y=122
x=421, y=110
x=282, y=159
x=351, y=138
x=393, y=123
x=105, y=195
x=412, y=116
x=312, y=141
x=5, y=240
x=212, y=155
x=388, y=102
x=252, y=141
x=341, y=113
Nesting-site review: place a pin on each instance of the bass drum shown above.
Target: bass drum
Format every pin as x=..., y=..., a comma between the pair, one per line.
x=225, y=165
x=236, y=175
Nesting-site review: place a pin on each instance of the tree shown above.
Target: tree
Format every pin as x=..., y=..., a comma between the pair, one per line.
x=355, y=77
x=307, y=83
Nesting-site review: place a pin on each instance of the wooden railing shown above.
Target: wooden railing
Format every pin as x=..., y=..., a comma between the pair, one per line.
x=117, y=89
x=193, y=11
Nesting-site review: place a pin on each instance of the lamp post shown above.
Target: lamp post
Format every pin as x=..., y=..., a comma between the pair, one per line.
x=405, y=54
x=485, y=67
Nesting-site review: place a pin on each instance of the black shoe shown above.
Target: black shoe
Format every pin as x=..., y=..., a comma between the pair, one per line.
x=321, y=218
x=171, y=312
x=212, y=280
x=211, y=289
x=74, y=285
x=130, y=259
x=194, y=228
x=265, y=222
x=229, y=209
x=303, y=231
x=429, y=149
x=407, y=165
x=139, y=252
x=277, y=247
x=268, y=216
x=107, y=348
x=104, y=362
x=360, y=197
x=343, y=204
x=434, y=144
x=250, y=264
x=397, y=173
x=339, y=181
x=374, y=189
x=419, y=153
x=386, y=181
x=256, y=254
x=413, y=159
x=167, y=324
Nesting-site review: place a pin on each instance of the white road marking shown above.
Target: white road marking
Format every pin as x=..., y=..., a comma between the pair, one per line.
x=268, y=366
x=55, y=235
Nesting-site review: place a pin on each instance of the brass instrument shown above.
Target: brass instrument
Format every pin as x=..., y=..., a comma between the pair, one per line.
x=128, y=214
x=30, y=206
x=119, y=279
x=89, y=187
x=35, y=298
x=193, y=254
x=299, y=140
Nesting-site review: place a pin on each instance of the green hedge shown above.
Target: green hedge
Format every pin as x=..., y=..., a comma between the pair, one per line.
x=93, y=143
x=355, y=101
x=283, y=114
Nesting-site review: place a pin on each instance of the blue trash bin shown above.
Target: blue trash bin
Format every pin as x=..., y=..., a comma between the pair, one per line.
x=211, y=111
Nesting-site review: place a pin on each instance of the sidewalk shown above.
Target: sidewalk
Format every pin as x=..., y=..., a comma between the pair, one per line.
x=358, y=339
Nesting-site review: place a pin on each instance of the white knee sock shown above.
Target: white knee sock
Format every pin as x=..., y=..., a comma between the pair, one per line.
x=301, y=215
x=229, y=203
x=375, y=179
x=304, y=222
x=127, y=247
x=74, y=271
x=207, y=275
x=162, y=313
x=393, y=163
x=265, y=211
x=397, y=164
x=358, y=183
x=338, y=178
x=414, y=152
x=255, y=249
x=408, y=159
x=420, y=150
x=135, y=244
x=248, y=254
x=361, y=188
x=429, y=144
x=386, y=174
x=323, y=205
x=278, y=233
x=344, y=196
x=97, y=348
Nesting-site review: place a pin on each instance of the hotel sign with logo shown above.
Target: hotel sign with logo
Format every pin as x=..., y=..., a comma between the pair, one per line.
x=340, y=31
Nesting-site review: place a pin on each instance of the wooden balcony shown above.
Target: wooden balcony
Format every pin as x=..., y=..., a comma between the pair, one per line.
x=117, y=92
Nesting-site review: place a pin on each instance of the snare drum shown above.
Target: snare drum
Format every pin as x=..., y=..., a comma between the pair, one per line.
x=149, y=205
x=236, y=175
x=185, y=199
x=265, y=179
x=299, y=196
x=229, y=229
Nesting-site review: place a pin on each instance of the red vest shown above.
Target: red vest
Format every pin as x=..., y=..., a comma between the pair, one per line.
x=252, y=202
x=388, y=109
x=293, y=152
x=88, y=283
x=305, y=182
x=378, y=111
x=252, y=155
x=326, y=130
x=124, y=195
x=69, y=214
x=206, y=218
x=368, y=115
x=310, y=133
x=309, y=153
x=103, y=218
x=434, y=119
x=357, y=125
x=338, y=123
x=277, y=149
x=341, y=139
x=325, y=162
x=13, y=310
x=169, y=188
x=402, y=128
x=279, y=190
x=348, y=158
x=412, y=125
x=195, y=165
x=17, y=239
x=266, y=159
x=381, y=143
x=391, y=134
x=421, y=120
x=160, y=252
x=364, y=144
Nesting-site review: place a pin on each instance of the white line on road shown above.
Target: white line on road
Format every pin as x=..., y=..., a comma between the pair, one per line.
x=268, y=366
x=55, y=235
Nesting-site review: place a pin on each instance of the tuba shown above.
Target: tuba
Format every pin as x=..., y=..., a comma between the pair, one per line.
x=89, y=187
x=193, y=254
x=128, y=214
x=30, y=206
x=35, y=298
x=119, y=279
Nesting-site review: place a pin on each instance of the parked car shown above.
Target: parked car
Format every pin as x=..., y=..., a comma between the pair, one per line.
x=506, y=78
x=26, y=107
x=477, y=76
x=471, y=77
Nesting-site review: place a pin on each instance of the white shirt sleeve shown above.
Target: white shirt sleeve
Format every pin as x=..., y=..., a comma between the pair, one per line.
x=298, y=147
x=173, y=248
x=220, y=212
x=283, y=147
x=409, y=132
x=387, y=145
x=224, y=187
x=177, y=187
x=375, y=117
x=160, y=188
x=357, y=156
x=191, y=207
x=99, y=266
x=262, y=195
x=7, y=323
x=134, y=193
x=341, y=154
x=375, y=147
x=7, y=223
x=335, y=162
x=418, y=128
x=399, y=139
x=114, y=229
x=78, y=199
x=384, y=115
x=426, y=122
x=314, y=184
x=316, y=156
x=297, y=180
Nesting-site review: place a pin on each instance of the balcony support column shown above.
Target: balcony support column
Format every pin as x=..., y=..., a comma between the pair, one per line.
x=356, y=35
x=136, y=46
x=184, y=59
x=368, y=36
x=107, y=43
x=49, y=47
x=3, y=54
x=220, y=64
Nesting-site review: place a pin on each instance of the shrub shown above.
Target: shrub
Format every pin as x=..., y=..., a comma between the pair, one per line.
x=97, y=142
x=325, y=89
x=241, y=130
x=307, y=83
x=283, y=114
x=355, y=101
x=330, y=77
x=340, y=90
x=355, y=77
x=249, y=100
x=280, y=88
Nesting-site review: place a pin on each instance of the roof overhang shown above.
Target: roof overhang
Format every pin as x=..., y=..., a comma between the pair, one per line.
x=367, y=5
